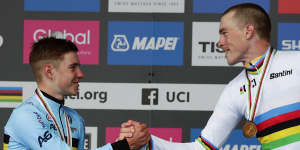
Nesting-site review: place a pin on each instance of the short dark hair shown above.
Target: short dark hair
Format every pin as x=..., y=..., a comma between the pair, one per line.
x=48, y=50
x=249, y=13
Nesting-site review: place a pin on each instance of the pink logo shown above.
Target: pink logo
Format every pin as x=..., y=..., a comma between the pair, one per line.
x=85, y=34
x=169, y=134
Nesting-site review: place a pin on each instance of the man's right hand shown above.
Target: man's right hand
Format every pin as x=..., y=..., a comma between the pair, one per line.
x=136, y=134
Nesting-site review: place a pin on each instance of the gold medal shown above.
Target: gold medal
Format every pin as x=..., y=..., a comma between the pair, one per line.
x=249, y=129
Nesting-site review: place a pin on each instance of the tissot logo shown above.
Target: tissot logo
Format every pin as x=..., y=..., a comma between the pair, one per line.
x=281, y=74
x=209, y=46
x=150, y=96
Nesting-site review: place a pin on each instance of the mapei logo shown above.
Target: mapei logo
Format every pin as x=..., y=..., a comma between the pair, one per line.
x=157, y=43
x=1, y=40
x=120, y=43
x=150, y=96
x=85, y=34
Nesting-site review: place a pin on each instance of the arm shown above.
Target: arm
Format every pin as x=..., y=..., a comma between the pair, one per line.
x=27, y=130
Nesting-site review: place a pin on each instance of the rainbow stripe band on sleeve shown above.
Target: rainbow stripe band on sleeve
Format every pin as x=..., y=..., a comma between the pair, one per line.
x=279, y=126
x=207, y=145
x=149, y=145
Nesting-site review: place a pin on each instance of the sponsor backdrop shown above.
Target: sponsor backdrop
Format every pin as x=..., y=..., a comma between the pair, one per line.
x=155, y=61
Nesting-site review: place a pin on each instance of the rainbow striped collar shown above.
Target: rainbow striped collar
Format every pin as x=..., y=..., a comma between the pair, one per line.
x=255, y=66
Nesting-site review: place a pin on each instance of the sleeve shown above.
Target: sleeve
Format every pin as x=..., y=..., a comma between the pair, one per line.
x=27, y=130
x=227, y=114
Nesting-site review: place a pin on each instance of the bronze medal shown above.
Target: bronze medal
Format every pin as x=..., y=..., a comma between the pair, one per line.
x=249, y=129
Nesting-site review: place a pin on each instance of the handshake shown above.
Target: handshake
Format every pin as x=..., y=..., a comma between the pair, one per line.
x=136, y=134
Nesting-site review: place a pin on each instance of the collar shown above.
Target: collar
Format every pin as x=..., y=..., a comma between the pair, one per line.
x=61, y=102
x=255, y=65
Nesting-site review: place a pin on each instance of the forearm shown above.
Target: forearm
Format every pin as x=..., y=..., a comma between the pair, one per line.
x=161, y=144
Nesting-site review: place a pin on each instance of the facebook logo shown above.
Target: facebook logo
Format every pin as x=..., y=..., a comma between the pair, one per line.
x=149, y=96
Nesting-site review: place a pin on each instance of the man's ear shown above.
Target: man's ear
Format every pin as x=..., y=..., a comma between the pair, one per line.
x=48, y=71
x=249, y=31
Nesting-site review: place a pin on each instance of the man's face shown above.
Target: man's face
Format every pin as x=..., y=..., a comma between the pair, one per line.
x=68, y=74
x=232, y=39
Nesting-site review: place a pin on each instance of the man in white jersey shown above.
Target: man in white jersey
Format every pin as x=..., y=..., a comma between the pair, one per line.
x=266, y=93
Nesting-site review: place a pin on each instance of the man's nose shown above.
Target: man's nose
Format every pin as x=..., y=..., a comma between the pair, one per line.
x=80, y=74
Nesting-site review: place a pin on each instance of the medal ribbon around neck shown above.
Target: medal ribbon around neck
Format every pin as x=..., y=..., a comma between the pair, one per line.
x=49, y=111
x=251, y=108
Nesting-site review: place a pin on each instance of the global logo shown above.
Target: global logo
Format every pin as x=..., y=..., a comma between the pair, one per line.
x=84, y=34
x=78, y=38
x=121, y=44
x=1, y=40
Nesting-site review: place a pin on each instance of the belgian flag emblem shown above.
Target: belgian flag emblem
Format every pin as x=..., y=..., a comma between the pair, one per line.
x=11, y=94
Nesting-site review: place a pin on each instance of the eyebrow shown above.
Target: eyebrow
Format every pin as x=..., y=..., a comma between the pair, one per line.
x=75, y=64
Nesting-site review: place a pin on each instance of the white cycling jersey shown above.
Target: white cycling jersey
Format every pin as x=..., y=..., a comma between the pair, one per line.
x=277, y=114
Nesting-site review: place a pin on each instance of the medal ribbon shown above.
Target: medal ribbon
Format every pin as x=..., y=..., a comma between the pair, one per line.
x=251, y=108
x=49, y=111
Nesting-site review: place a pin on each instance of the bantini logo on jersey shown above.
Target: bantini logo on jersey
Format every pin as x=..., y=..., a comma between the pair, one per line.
x=145, y=43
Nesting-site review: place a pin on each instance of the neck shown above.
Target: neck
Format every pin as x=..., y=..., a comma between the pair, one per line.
x=258, y=49
x=49, y=91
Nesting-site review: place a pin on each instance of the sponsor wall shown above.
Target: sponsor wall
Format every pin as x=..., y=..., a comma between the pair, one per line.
x=154, y=61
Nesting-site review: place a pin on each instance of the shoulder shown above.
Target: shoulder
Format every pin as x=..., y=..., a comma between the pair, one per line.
x=21, y=116
x=236, y=81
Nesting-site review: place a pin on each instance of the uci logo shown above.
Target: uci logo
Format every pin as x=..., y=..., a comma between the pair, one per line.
x=1, y=40
x=120, y=43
